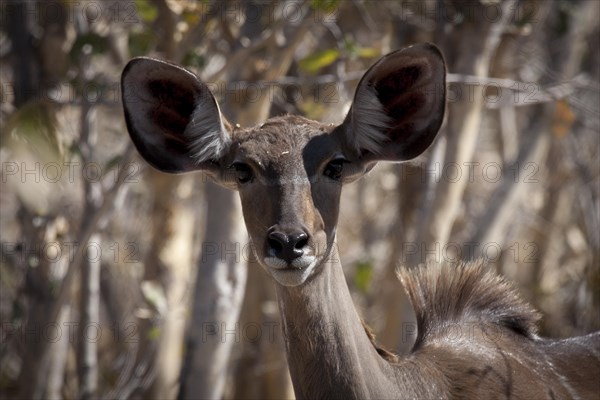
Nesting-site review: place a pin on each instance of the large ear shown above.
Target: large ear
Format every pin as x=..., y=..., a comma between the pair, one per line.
x=398, y=106
x=172, y=117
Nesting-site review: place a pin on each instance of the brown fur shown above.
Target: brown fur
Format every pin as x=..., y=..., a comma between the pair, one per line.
x=465, y=292
x=383, y=352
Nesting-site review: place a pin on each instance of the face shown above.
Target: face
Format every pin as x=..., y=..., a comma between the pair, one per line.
x=289, y=173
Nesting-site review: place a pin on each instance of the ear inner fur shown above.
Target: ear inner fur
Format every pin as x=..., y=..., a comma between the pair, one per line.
x=172, y=117
x=399, y=105
x=208, y=137
x=368, y=121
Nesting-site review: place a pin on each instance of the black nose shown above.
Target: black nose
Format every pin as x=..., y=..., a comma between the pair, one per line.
x=286, y=246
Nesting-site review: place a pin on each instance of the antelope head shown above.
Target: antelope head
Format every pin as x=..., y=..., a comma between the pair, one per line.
x=289, y=171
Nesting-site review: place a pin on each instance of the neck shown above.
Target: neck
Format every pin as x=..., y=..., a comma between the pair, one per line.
x=329, y=352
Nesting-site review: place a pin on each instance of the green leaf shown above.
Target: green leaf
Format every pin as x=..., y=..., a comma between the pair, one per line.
x=321, y=59
x=191, y=18
x=34, y=126
x=100, y=45
x=312, y=109
x=153, y=333
x=368, y=52
x=146, y=10
x=363, y=276
x=324, y=5
x=194, y=59
x=355, y=50
x=141, y=42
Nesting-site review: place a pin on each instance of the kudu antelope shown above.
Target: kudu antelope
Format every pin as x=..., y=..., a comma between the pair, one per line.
x=476, y=338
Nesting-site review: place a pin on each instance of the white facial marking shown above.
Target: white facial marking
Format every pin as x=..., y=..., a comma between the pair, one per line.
x=293, y=274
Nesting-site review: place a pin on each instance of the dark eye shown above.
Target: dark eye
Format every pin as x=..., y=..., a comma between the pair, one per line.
x=334, y=169
x=243, y=172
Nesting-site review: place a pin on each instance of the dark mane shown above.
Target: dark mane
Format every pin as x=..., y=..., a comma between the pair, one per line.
x=464, y=293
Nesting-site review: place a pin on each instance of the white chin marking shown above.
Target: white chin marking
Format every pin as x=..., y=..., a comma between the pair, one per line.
x=293, y=274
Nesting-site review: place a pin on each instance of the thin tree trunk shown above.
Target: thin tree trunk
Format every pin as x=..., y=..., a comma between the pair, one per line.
x=33, y=73
x=59, y=354
x=89, y=310
x=170, y=258
x=36, y=358
x=26, y=79
x=89, y=322
x=177, y=254
x=464, y=123
x=220, y=280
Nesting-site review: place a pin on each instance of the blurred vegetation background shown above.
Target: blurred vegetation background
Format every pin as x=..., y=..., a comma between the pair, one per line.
x=117, y=281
